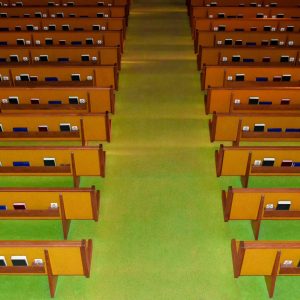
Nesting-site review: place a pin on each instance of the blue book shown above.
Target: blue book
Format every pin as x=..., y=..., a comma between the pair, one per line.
x=51, y=79
x=265, y=102
x=261, y=78
x=3, y=207
x=250, y=44
x=2, y=59
x=296, y=164
x=274, y=130
x=3, y=43
x=292, y=130
x=248, y=60
x=54, y=102
x=20, y=129
x=63, y=59
x=76, y=43
x=21, y=164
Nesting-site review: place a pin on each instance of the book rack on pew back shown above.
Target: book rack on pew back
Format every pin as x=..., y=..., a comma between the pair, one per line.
x=252, y=99
x=249, y=76
x=262, y=204
x=40, y=100
x=265, y=258
x=246, y=161
x=75, y=161
x=55, y=126
x=251, y=127
x=59, y=258
x=71, y=204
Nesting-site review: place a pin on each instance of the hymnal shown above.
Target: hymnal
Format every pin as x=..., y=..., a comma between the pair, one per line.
x=96, y=27
x=274, y=42
x=13, y=100
x=62, y=42
x=221, y=16
x=51, y=79
x=285, y=101
x=286, y=163
x=42, y=128
x=65, y=126
x=76, y=43
x=286, y=77
x=296, y=164
x=268, y=162
x=292, y=130
x=52, y=27
x=33, y=78
x=49, y=41
x=259, y=127
x=35, y=101
x=274, y=129
x=60, y=15
x=19, y=205
x=73, y=100
x=280, y=16
x=19, y=261
x=2, y=261
x=277, y=78
x=236, y=58
x=248, y=60
x=29, y=27
x=63, y=59
x=250, y=43
x=221, y=28
x=240, y=77
x=267, y=28
x=253, y=29
x=43, y=57
x=75, y=77
x=3, y=207
x=283, y=205
x=21, y=42
x=89, y=41
x=54, y=102
x=238, y=42
x=49, y=162
x=20, y=129
x=85, y=57
x=14, y=58
x=265, y=102
x=38, y=14
x=290, y=28
x=284, y=58
x=253, y=100
x=100, y=15
x=261, y=78
x=228, y=42
x=264, y=43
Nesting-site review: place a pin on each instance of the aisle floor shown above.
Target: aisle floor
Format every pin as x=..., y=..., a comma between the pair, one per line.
x=161, y=233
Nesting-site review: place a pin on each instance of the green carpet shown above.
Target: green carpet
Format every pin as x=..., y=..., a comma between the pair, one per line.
x=161, y=233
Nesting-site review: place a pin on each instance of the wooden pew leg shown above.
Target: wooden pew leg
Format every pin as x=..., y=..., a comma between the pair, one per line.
x=65, y=223
x=255, y=224
x=236, y=143
x=76, y=179
x=271, y=279
x=52, y=279
x=245, y=178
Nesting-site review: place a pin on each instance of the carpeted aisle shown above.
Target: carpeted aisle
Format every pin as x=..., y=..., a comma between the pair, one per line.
x=161, y=233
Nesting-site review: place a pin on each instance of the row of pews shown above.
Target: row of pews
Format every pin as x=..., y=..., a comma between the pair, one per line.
x=59, y=71
x=248, y=55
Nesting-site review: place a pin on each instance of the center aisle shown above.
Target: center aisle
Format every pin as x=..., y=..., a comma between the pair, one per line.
x=160, y=236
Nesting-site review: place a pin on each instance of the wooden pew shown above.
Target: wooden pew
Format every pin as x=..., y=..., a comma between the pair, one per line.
x=58, y=258
x=247, y=76
x=45, y=76
x=63, y=38
x=251, y=127
x=243, y=12
x=62, y=12
x=251, y=39
x=252, y=100
x=251, y=161
x=66, y=3
x=54, y=126
x=83, y=56
x=65, y=204
x=265, y=258
x=72, y=161
x=257, y=205
x=240, y=3
x=57, y=24
x=244, y=55
x=265, y=25
x=40, y=100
